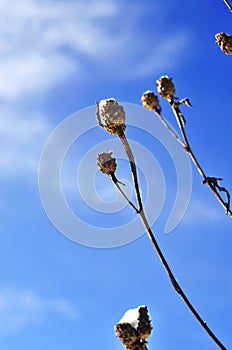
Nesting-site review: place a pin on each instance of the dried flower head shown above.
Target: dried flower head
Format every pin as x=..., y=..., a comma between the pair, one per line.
x=144, y=325
x=165, y=87
x=106, y=163
x=134, y=327
x=224, y=41
x=127, y=334
x=111, y=116
x=150, y=101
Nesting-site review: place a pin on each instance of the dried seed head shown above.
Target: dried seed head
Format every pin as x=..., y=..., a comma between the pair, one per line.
x=144, y=325
x=127, y=334
x=165, y=87
x=106, y=163
x=224, y=41
x=150, y=101
x=111, y=116
x=134, y=327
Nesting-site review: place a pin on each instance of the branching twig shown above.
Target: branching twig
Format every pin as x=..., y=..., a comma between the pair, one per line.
x=116, y=183
x=213, y=182
x=173, y=279
x=167, y=90
x=114, y=123
x=112, y=118
x=150, y=101
x=165, y=123
x=178, y=115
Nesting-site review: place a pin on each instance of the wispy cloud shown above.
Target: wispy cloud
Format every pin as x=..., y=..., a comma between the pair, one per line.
x=43, y=44
x=202, y=211
x=21, y=140
x=21, y=308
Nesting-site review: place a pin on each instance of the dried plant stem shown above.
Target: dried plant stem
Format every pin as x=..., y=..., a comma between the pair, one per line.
x=165, y=123
x=142, y=346
x=116, y=183
x=228, y=5
x=164, y=262
x=129, y=153
x=176, y=284
x=179, y=117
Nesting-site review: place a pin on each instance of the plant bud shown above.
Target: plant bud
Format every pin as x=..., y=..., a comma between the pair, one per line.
x=111, y=116
x=224, y=41
x=165, y=87
x=127, y=334
x=144, y=325
x=150, y=101
x=106, y=163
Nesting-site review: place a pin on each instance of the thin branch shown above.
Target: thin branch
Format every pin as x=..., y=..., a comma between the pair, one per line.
x=129, y=153
x=164, y=262
x=179, y=118
x=176, y=285
x=116, y=183
x=115, y=125
x=228, y=5
x=165, y=123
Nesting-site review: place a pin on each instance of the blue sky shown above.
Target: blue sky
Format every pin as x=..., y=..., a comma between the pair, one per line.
x=56, y=58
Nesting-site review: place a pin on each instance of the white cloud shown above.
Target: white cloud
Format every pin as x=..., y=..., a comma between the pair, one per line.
x=21, y=141
x=21, y=308
x=203, y=211
x=161, y=57
x=44, y=43
x=24, y=74
x=34, y=37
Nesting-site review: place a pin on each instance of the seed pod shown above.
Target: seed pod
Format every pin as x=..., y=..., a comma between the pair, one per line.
x=111, y=116
x=224, y=41
x=165, y=87
x=127, y=334
x=106, y=163
x=150, y=101
x=144, y=325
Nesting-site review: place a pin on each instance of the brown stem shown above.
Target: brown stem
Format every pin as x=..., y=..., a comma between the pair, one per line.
x=129, y=153
x=228, y=5
x=175, y=283
x=156, y=246
x=116, y=183
x=165, y=123
x=178, y=115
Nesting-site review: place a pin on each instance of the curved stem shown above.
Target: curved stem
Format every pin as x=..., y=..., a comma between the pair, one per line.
x=164, y=262
x=177, y=113
x=175, y=283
